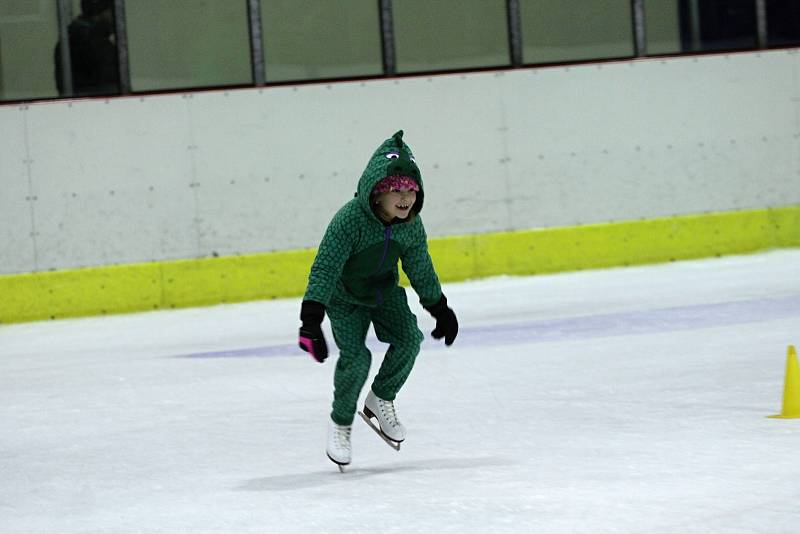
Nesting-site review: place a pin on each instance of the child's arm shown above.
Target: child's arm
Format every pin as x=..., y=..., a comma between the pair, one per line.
x=334, y=251
x=417, y=264
x=335, y=248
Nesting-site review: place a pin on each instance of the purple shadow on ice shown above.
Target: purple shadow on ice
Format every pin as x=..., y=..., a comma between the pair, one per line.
x=693, y=317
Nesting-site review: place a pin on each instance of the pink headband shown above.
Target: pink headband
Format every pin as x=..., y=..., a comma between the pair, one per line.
x=395, y=182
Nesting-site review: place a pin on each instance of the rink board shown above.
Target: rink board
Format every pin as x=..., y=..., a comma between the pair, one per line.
x=220, y=173
x=207, y=281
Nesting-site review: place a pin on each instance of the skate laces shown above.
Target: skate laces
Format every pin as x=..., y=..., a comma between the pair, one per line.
x=341, y=436
x=387, y=409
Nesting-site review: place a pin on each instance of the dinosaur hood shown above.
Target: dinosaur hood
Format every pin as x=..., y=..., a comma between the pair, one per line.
x=392, y=158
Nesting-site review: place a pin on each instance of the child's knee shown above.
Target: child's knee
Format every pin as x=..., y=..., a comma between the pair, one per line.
x=355, y=363
x=410, y=345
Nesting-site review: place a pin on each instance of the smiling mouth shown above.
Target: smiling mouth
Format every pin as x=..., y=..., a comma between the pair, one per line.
x=401, y=207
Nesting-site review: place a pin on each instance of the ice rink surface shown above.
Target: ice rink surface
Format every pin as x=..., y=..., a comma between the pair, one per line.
x=629, y=400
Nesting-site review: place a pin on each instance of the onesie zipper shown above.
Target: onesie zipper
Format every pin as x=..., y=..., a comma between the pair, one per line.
x=387, y=236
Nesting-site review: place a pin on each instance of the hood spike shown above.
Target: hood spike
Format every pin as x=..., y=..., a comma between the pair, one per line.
x=398, y=139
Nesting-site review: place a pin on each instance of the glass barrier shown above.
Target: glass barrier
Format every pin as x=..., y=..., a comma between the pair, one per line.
x=28, y=38
x=309, y=39
x=662, y=26
x=187, y=43
x=183, y=44
x=554, y=31
x=450, y=34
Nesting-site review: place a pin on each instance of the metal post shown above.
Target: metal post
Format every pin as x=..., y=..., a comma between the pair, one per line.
x=387, y=37
x=64, y=19
x=121, y=36
x=514, y=32
x=256, y=42
x=694, y=6
x=639, y=31
x=761, y=23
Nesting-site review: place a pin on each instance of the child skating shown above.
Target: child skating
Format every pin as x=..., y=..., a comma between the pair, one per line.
x=354, y=280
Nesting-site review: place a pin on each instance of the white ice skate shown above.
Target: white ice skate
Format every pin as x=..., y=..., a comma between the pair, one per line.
x=339, y=449
x=389, y=426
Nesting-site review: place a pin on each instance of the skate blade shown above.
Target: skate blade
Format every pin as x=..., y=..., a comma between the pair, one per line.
x=339, y=465
x=390, y=442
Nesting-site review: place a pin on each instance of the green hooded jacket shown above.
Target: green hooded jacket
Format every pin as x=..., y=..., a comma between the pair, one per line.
x=357, y=258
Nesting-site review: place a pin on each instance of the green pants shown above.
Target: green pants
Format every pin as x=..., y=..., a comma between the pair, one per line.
x=394, y=324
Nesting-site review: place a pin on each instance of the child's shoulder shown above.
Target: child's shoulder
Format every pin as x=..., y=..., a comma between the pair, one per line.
x=411, y=232
x=351, y=214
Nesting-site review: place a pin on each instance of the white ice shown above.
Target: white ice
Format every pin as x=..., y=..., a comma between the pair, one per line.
x=628, y=400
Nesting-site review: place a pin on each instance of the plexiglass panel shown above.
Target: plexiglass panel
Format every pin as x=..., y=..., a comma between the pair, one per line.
x=662, y=26
x=309, y=39
x=450, y=34
x=28, y=37
x=555, y=31
x=188, y=43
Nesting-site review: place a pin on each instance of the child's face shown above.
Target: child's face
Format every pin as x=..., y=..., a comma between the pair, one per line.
x=395, y=203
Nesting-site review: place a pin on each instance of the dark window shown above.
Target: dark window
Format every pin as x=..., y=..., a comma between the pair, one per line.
x=783, y=22
x=94, y=68
x=709, y=25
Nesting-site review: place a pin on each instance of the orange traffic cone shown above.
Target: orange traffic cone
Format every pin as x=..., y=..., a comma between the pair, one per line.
x=791, y=388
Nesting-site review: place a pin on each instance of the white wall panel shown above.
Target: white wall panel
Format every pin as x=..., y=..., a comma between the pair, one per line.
x=235, y=172
x=261, y=163
x=656, y=137
x=114, y=181
x=17, y=250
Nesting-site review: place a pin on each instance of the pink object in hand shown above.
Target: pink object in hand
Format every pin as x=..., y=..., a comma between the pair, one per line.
x=308, y=346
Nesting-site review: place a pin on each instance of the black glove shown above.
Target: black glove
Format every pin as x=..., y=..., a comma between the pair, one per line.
x=311, y=338
x=446, y=322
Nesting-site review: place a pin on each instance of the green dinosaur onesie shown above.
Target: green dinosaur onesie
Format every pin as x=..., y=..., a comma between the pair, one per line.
x=355, y=276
